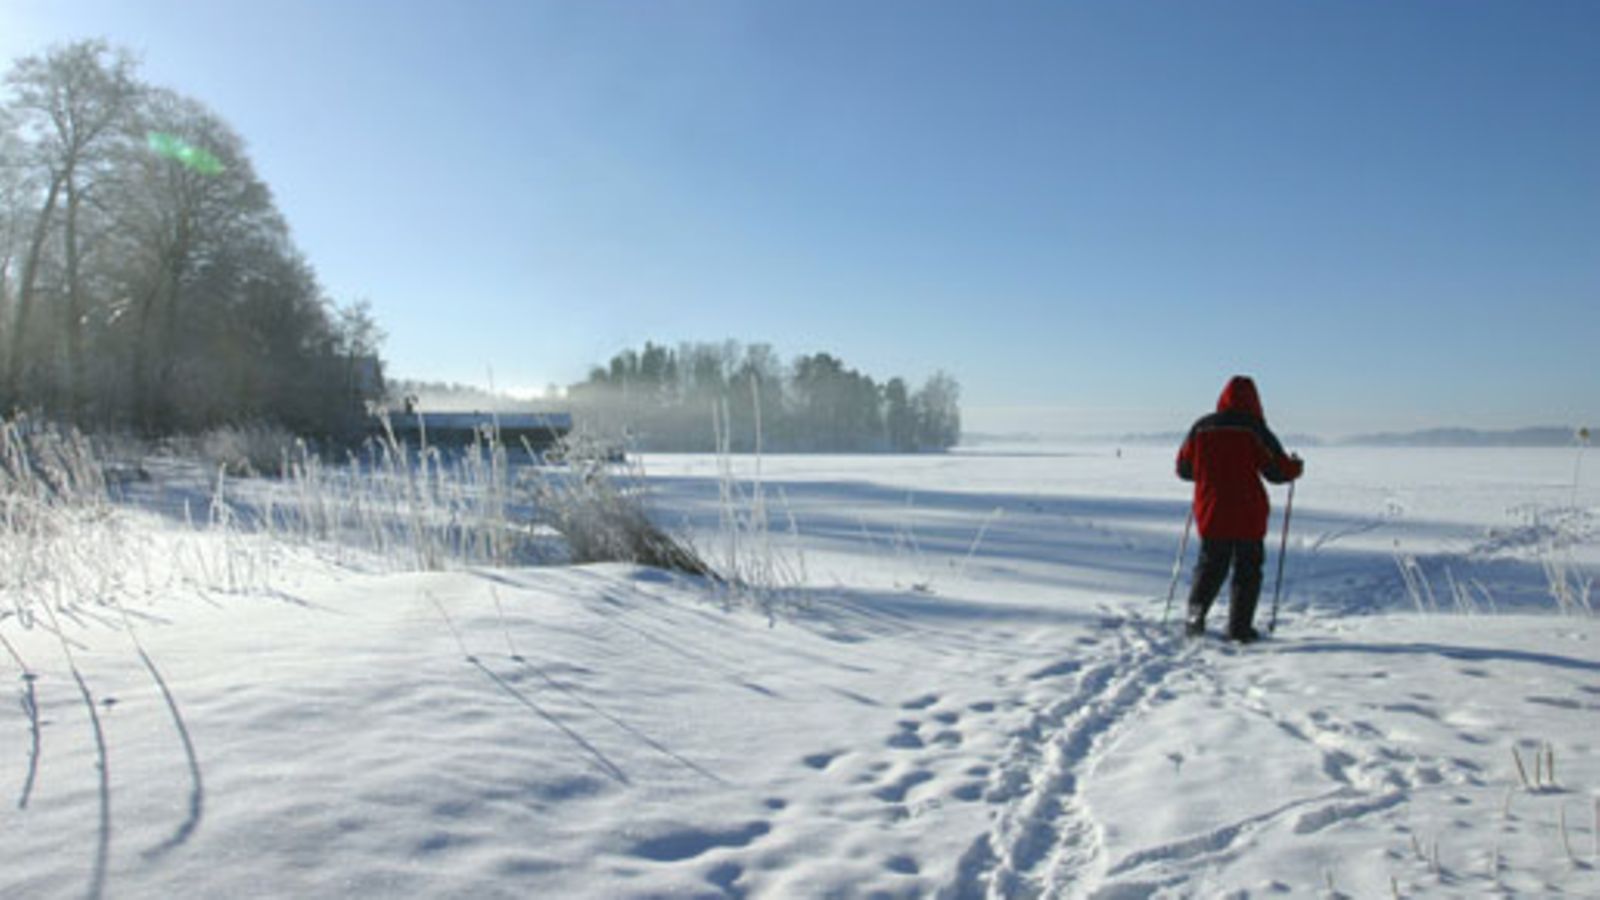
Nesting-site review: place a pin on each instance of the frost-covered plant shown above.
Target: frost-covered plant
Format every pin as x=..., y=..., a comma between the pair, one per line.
x=56, y=532
x=241, y=451
x=1581, y=437
x=762, y=566
x=48, y=464
x=1543, y=779
x=601, y=514
x=1461, y=593
x=1560, y=530
x=1415, y=580
x=1570, y=585
x=67, y=546
x=1595, y=831
x=420, y=508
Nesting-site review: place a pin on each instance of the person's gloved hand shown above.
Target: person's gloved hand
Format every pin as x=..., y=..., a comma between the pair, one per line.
x=1297, y=466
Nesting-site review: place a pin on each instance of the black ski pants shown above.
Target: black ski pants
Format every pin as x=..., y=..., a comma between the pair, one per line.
x=1216, y=558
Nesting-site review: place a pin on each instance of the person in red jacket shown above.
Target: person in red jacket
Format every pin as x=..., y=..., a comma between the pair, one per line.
x=1226, y=454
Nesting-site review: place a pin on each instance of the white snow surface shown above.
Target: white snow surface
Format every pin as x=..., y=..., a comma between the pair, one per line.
x=969, y=692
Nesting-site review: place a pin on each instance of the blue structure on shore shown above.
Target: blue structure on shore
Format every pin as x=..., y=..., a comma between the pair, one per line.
x=454, y=430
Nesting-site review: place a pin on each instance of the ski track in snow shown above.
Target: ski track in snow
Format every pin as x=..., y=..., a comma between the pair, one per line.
x=1046, y=839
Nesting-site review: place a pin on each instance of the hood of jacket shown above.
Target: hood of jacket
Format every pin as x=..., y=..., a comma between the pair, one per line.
x=1240, y=396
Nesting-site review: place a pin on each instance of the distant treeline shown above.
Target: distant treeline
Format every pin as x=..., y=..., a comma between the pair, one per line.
x=1548, y=436
x=147, y=280
x=684, y=399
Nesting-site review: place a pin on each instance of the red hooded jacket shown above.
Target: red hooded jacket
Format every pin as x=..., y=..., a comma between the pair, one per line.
x=1226, y=455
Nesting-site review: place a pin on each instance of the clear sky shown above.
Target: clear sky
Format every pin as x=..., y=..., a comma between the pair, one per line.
x=1090, y=213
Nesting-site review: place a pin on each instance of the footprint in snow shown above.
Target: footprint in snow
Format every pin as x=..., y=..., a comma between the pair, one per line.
x=821, y=761
x=902, y=865
x=726, y=877
x=1064, y=667
x=1429, y=775
x=971, y=792
x=1557, y=702
x=688, y=843
x=525, y=867
x=896, y=793
x=441, y=841
x=922, y=702
x=907, y=738
x=1414, y=709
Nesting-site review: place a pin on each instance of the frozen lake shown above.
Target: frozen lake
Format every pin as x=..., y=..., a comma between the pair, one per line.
x=960, y=686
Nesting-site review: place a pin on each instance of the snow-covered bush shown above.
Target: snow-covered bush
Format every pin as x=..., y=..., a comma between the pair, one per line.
x=58, y=540
x=423, y=508
x=1571, y=585
x=754, y=561
x=44, y=463
x=601, y=515
x=1550, y=540
x=246, y=450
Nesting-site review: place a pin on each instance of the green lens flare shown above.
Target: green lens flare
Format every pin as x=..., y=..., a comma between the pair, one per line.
x=184, y=153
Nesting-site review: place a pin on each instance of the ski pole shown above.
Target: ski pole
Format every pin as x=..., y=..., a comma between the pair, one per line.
x=1177, y=565
x=1283, y=549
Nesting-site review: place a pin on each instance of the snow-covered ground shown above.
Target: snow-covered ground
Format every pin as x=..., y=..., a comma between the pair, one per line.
x=963, y=688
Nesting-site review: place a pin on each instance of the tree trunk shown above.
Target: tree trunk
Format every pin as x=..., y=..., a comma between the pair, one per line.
x=140, y=374
x=74, y=325
x=25, y=300
x=151, y=363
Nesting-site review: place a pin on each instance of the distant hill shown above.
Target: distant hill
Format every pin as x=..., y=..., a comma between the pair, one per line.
x=1548, y=436
x=1545, y=436
x=1174, y=438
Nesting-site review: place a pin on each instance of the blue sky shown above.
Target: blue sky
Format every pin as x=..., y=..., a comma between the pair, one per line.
x=1090, y=213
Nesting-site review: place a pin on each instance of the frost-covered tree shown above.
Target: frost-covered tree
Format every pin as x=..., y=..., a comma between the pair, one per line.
x=938, y=412
x=146, y=276
x=71, y=107
x=900, y=420
x=14, y=215
x=207, y=240
x=705, y=393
